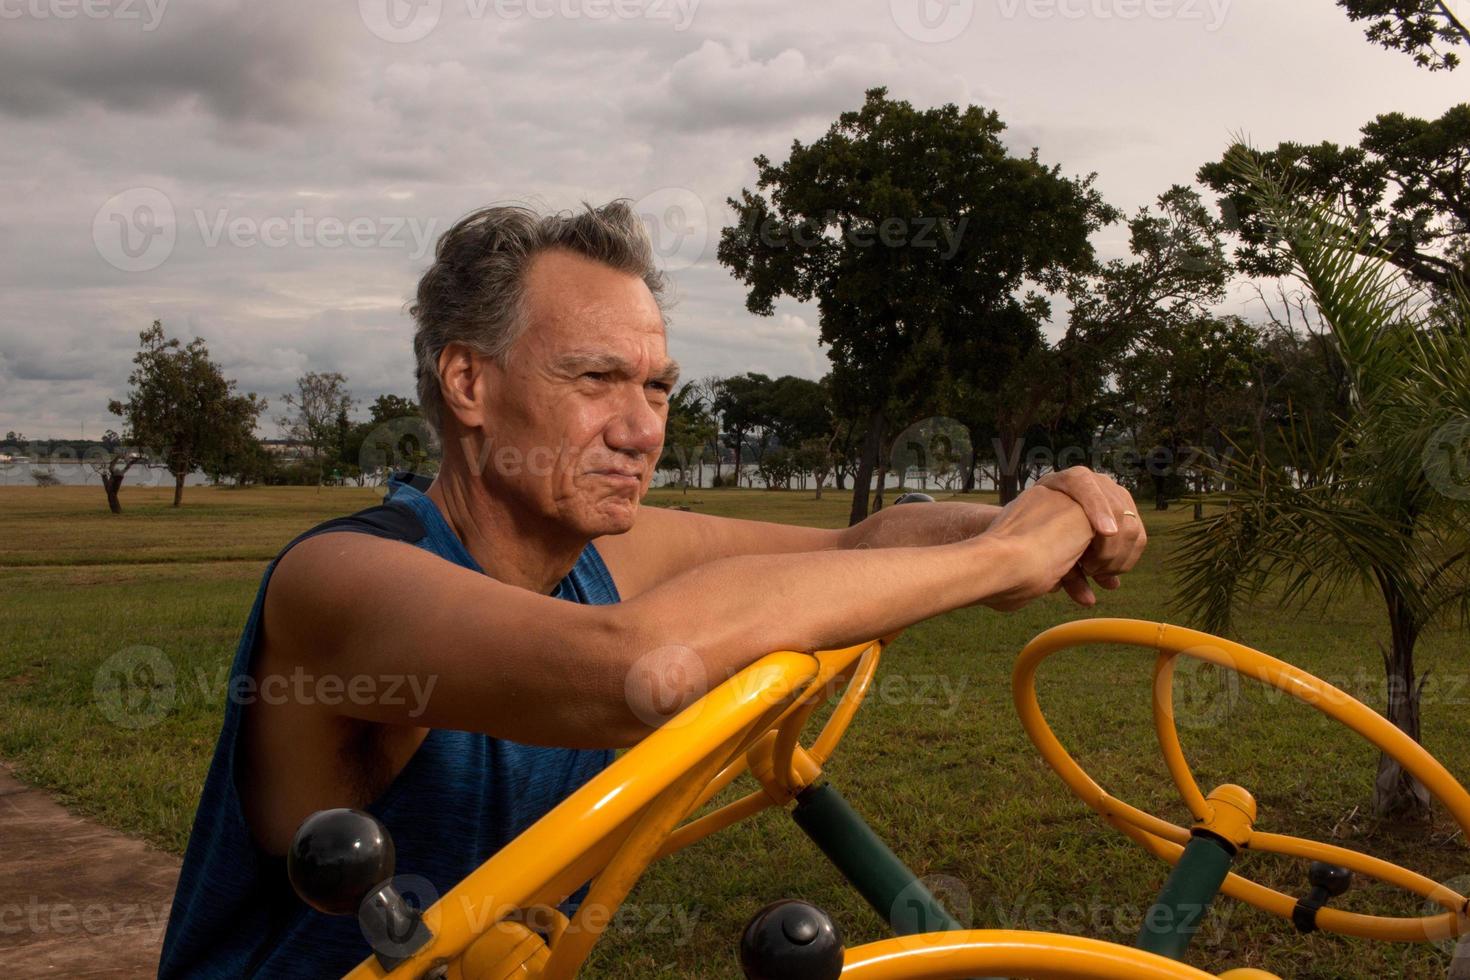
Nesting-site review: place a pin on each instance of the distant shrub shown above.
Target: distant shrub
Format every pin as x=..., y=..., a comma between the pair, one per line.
x=45, y=478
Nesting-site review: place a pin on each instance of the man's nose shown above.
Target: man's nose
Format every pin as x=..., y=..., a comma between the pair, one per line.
x=638, y=427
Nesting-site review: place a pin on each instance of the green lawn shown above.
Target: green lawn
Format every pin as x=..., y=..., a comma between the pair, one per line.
x=936, y=759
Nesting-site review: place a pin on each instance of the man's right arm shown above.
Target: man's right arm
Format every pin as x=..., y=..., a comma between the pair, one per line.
x=534, y=669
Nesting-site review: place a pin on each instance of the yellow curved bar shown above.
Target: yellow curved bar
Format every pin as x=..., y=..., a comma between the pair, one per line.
x=852, y=699
x=1165, y=840
x=1011, y=953
x=574, y=841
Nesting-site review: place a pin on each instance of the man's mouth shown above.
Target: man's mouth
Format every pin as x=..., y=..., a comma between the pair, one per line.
x=620, y=476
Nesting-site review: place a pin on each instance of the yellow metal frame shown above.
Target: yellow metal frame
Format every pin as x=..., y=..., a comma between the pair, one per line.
x=633, y=813
x=624, y=818
x=1230, y=807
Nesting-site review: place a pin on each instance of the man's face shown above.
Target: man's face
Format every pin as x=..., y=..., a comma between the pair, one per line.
x=575, y=418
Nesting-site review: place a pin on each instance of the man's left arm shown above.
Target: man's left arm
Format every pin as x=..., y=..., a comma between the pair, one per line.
x=664, y=543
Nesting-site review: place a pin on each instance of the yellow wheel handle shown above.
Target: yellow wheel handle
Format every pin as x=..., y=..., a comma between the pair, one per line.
x=1016, y=953
x=778, y=760
x=1166, y=840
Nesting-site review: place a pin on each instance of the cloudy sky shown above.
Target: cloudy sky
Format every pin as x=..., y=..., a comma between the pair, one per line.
x=270, y=175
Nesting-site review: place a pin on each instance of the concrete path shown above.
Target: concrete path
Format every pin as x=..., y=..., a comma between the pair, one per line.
x=76, y=900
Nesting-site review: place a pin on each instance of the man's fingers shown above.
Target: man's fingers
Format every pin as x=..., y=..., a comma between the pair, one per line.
x=1086, y=487
x=1076, y=585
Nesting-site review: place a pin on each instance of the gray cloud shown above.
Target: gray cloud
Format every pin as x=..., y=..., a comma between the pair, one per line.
x=257, y=110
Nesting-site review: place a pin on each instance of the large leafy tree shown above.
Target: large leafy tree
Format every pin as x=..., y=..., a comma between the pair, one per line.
x=182, y=408
x=1379, y=507
x=1015, y=391
x=1407, y=183
x=1188, y=388
x=1425, y=29
x=905, y=226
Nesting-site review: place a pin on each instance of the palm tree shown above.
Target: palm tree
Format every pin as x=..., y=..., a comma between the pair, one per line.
x=1385, y=506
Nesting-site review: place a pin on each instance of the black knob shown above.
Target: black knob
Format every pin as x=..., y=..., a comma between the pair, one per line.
x=914, y=497
x=338, y=858
x=1331, y=878
x=791, y=940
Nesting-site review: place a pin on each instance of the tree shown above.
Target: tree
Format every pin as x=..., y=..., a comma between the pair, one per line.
x=111, y=461
x=903, y=225
x=1415, y=27
x=687, y=432
x=1408, y=182
x=1190, y=384
x=182, y=407
x=320, y=400
x=740, y=407
x=1383, y=509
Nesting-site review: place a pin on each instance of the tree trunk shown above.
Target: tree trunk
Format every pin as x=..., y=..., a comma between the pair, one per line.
x=974, y=461
x=862, y=481
x=111, y=483
x=1397, y=795
x=882, y=479
x=1007, y=467
x=179, y=488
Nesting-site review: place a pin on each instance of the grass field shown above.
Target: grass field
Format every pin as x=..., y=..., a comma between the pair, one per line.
x=936, y=760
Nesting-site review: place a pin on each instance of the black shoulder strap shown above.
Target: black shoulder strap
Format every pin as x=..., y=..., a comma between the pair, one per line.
x=392, y=521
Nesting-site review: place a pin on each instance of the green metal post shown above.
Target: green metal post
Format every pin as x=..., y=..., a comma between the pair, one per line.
x=1176, y=915
x=893, y=891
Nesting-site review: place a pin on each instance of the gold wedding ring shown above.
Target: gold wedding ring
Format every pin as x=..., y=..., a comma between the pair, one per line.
x=1129, y=513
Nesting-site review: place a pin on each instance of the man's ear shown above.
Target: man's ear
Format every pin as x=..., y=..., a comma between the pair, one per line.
x=462, y=382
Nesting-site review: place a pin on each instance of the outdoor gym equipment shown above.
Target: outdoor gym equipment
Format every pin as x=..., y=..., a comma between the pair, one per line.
x=502, y=921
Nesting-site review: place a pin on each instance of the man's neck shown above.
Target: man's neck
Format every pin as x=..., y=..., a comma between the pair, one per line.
x=529, y=552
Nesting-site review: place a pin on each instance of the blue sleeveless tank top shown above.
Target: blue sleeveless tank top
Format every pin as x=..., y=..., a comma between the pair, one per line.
x=461, y=797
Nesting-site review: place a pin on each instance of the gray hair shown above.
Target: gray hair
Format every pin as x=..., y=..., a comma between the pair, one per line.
x=474, y=293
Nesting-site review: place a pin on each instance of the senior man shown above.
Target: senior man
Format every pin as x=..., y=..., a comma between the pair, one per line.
x=514, y=596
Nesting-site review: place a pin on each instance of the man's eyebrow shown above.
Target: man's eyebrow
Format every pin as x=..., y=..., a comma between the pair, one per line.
x=579, y=361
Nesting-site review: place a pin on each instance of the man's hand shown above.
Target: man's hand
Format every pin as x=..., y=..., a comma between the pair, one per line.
x=1119, y=535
